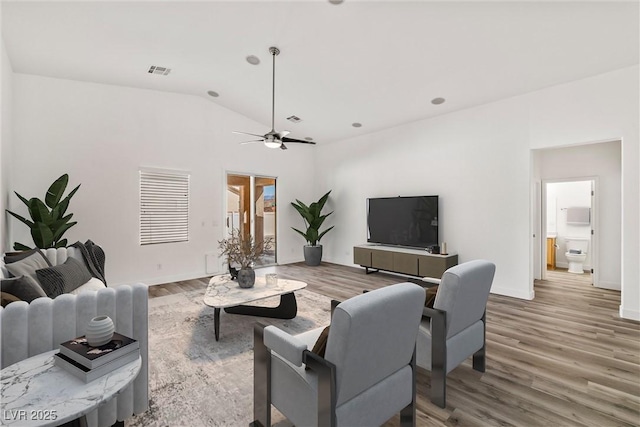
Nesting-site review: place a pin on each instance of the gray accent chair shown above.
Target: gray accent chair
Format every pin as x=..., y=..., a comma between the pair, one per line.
x=455, y=328
x=366, y=376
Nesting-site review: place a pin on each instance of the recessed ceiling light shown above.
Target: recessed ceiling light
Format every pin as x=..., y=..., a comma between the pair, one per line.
x=356, y=125
x=213, y=93
x=253, y=60
x=308, y=138
x=437, y=101
x=335, y=1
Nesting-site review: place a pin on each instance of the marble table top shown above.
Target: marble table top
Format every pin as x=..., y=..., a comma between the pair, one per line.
x=35, y=392
x=223, y=292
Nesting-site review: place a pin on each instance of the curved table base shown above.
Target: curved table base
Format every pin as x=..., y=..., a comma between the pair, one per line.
x=287, y=309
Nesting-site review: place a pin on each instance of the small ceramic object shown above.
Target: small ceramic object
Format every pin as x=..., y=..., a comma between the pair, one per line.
x=99, y=331
x=272, y=279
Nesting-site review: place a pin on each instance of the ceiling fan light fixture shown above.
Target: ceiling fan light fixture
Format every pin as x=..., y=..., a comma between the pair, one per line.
x=272, y=144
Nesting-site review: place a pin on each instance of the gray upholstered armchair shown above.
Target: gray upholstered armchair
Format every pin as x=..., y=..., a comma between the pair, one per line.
x=454, y=328
x=366, y=376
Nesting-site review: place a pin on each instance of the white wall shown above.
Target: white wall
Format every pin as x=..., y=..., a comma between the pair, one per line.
x=100, y=135
x=476, y=161
x=479, y=161
x=6, y=137
x=601, y=160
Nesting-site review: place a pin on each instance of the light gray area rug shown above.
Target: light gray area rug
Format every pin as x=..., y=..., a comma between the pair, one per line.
x=195, y=380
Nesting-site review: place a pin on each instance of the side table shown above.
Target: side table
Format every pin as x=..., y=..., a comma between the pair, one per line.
x=35, y=392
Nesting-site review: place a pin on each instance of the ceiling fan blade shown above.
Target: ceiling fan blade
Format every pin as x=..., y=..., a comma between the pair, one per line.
x=283, y=147
x=252, y=141
x=285, y=139
x=247, y=133
x=283, y=134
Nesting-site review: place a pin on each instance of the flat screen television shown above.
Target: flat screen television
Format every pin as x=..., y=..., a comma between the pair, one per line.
x=403, y=221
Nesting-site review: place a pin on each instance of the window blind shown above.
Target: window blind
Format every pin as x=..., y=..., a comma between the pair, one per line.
x=164, y=207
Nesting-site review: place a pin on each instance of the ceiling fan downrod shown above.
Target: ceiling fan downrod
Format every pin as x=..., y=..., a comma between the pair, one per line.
x=274, y=51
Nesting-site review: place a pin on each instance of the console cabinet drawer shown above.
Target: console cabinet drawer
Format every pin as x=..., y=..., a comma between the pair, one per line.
x=382, y=260
x=435, y=267
x=405, y=263
x=362, y=256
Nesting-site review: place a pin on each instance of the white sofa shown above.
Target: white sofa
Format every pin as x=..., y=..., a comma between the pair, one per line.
x=59, y=256
x=30, y=329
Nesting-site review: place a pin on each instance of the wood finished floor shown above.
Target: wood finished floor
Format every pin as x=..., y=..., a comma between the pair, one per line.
x=562, y=359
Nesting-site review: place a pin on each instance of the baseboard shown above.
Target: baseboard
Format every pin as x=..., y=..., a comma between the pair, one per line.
x=167, y=279
x=508, y=292
x=629, y=314
x=609, y=285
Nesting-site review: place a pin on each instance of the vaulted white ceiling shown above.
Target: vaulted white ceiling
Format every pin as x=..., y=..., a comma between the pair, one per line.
x=373, y=62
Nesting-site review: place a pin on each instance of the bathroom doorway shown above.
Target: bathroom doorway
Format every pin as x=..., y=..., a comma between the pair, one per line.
x=568, y=223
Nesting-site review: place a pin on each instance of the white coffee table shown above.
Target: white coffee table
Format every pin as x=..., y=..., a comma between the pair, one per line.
x=36, y=392
x=223, y=292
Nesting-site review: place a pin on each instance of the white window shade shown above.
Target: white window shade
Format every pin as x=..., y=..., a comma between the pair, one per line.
x=164, y=207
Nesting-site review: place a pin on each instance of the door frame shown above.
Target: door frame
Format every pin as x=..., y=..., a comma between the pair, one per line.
x=252, y=208
x=595, y=276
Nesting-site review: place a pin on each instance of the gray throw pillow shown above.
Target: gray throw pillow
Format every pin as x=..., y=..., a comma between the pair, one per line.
x=63, y=278
x=12, y=257
x=27, y=266
x=23, y=287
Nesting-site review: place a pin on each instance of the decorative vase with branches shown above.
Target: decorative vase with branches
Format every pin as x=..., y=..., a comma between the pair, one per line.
x=48, y=220
x=243, y=250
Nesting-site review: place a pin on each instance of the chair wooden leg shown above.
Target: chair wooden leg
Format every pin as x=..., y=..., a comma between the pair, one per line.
x=261, y=379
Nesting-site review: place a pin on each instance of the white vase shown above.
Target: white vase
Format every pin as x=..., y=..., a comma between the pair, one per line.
x=99, y=331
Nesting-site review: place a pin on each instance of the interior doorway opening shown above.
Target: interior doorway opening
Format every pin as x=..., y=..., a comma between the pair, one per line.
x=252, y=209
x=568, y=224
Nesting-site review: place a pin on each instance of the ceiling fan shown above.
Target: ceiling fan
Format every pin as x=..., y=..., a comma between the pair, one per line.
x=273, y=139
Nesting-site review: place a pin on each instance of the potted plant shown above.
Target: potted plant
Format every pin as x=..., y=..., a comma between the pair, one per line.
x=244, y=251
x=313, y=219
x=49, y=222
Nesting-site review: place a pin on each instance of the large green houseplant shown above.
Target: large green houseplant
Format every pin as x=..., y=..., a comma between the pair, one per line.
x=48, y=220
x=313, y=219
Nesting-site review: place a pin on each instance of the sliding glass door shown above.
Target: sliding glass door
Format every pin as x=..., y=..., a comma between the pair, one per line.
x=251, y=209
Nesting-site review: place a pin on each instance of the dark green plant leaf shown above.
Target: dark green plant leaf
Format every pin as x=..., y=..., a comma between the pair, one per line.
x=64, y=204
x=301, y=233
x=42, y=236
x=39, y=212
x=20, y=247
x=324, y=232
x=26, y=221
x=61, y=244
x=56, y=190
x=57, y=234
x=25, y=201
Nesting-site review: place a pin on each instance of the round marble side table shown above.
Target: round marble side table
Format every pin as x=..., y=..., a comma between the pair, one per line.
x=35, y=392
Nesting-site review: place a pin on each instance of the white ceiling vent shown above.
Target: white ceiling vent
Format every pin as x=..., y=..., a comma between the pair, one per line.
x=294, y=119
x=154, y=69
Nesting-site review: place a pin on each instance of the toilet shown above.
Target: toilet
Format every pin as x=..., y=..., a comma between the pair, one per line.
x=576, y=253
